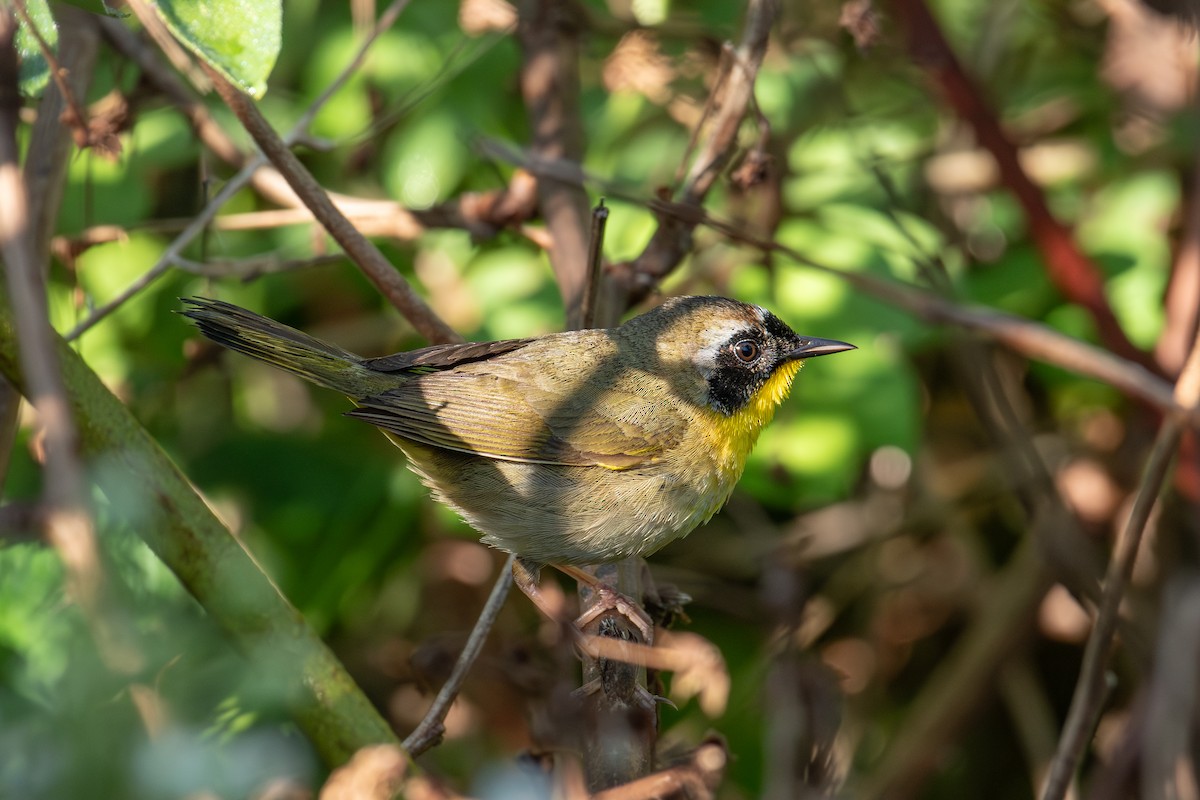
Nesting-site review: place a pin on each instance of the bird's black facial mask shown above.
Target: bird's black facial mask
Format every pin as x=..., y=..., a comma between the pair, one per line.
x=745, y=362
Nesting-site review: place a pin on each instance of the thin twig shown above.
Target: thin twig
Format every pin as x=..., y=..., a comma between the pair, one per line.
x=429, y=731
x=247, y=173
x=161, y=76
x=386, y=20
x=61, y=78
x=197, y=226
x=673, y=238
x=482, y=214
x=595, y=266
x=1089, y=690
x=365, y=255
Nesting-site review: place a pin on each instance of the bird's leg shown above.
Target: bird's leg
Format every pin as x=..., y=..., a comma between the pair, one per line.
x=525, y=576
x=609, y=599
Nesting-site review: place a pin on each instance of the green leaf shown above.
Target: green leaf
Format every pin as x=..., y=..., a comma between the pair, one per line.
x=238, y=38
x=35, y=72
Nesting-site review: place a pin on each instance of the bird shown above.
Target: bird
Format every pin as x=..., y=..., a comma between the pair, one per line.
x=569, y=449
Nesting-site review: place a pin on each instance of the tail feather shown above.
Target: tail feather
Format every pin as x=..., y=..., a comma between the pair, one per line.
x=283, y=347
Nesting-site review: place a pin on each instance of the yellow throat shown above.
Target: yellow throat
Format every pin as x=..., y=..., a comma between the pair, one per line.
x=732, y=437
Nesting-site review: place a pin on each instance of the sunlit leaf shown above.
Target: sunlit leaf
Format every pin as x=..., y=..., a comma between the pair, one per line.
x=238, y=38
x=35, y=70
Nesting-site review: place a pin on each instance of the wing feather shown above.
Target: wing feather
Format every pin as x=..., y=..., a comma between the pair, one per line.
x=494, y=416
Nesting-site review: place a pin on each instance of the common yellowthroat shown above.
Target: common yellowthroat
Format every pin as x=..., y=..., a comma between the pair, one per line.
x=572, y=448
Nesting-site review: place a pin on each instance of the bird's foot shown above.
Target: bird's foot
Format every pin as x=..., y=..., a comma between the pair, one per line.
x=607, y=599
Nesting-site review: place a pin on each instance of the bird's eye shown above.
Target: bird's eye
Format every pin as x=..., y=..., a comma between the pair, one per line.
x=747, y=351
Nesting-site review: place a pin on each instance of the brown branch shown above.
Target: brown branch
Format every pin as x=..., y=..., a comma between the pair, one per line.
x=361, y=251
x=71, y=112
x=595, y=266
x=550, y=88
x=161, y=76
x=358, y=249
x=1089, y=690
x=1075, y=275
x=67, y=521
x=731, y=97
x=45, y=171
x=429, y=731
x=482, y=214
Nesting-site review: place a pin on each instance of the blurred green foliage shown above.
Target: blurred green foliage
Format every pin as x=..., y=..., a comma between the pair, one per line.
x=328, y=507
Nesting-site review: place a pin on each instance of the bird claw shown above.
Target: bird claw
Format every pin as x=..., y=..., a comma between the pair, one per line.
x=606, y=599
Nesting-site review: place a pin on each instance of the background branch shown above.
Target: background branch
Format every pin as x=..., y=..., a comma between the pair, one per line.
x=732, y=96
x=550, y=88
x=1089, y=690
x=211, y=563
x=1076, y=276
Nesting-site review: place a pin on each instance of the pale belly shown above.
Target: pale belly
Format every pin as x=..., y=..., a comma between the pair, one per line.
x=572, y=515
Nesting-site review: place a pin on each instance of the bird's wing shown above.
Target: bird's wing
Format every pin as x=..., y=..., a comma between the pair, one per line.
x=499, y=417
x=443, y=356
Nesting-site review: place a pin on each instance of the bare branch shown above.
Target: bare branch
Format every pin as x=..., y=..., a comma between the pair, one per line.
x=1089, y=690
x=429, y=731
x=732, y=96
x=45, y=172
x=375, y=265
x=550, y=87
x=360, y=249
x=173, y=251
